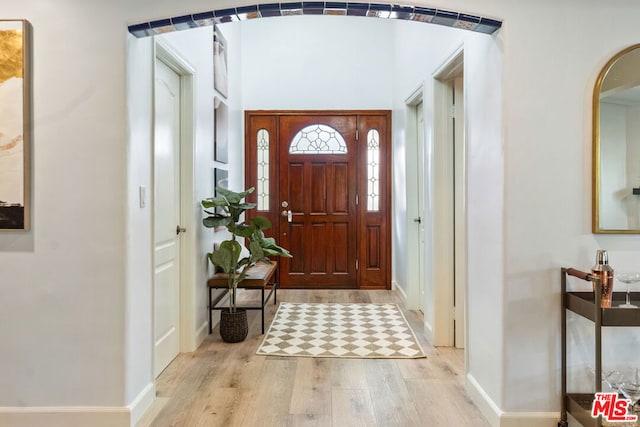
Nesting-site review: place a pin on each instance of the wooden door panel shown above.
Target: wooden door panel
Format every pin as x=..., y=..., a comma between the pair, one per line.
x=318, y=255
x=295, y=244
x=317, y=189
x=341, y=254
x=268, y=124
x=296, y=193
x=340, y=184
x=374, y=251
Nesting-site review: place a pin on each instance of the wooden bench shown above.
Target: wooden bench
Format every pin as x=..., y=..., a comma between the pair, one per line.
x=261, y=277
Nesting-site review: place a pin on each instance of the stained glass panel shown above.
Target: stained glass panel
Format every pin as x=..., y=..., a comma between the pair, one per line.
x=318, y=139
x=373, y=171
x=263, y=170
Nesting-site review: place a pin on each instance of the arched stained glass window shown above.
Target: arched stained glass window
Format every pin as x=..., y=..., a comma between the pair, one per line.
x=318, y=139
x=373, y=170
x=263, y=170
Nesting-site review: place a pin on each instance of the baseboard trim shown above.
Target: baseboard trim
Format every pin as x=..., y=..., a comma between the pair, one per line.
x=65, y=416
x=142, y=403
x=201, y=334
x=529, y=419
x=481, y=399
x=428, y=331
x=396, y=287
x=498, y=418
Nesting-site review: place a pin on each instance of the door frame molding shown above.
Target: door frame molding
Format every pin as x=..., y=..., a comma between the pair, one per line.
x=165, y=53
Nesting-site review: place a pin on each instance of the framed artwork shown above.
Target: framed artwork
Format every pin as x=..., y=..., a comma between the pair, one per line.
x=220, y=131
x=220, y=63
x=220, y=180
x=15, y=113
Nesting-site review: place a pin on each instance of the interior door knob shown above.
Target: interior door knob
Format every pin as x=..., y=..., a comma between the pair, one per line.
x=180, y=229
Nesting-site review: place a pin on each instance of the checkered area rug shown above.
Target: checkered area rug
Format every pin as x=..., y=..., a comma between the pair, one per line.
x=340, y=330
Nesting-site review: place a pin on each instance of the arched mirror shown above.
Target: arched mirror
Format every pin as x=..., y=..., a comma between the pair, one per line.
x=616, y=145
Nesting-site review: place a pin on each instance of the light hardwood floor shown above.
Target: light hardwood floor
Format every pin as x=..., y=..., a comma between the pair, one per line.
x=224, y=384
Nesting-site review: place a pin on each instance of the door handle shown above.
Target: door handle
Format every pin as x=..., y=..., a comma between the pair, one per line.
x=180, y=230
x=288, y=214
x=418, y=220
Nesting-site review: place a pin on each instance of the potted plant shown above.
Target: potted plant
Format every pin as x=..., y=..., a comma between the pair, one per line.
x=226, y=210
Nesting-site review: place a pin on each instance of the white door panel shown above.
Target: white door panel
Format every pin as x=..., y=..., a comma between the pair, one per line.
x=166, y=216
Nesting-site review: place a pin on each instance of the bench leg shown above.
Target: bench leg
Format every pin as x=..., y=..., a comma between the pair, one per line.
x=210, y=313
x=262, y=310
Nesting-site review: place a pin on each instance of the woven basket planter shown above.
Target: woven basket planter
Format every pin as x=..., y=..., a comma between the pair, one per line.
x=233, y=326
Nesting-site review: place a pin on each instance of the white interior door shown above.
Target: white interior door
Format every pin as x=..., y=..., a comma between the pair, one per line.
x=166, y=217
x=420, y=196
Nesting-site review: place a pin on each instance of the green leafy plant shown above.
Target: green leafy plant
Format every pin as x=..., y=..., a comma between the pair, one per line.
x=225, y=211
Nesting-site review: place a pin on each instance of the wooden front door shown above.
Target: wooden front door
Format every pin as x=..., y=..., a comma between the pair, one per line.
x=323, y=179
x=317, y=183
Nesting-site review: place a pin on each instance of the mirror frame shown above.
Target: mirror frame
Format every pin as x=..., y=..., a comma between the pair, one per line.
x=596, y=229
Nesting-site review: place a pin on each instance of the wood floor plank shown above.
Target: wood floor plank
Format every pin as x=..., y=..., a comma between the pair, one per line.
x=310, y=401
x=309, y=420
x=443, y=409
x=149, y=417
x=312, y=387
x=229, y=385
x=393, y=404
x=238, y=366
x=348, y=373
x=172, y=375
x=313, y=373
x=224, y=407
x=352, y=407
x=382, y=297
x=273, y=391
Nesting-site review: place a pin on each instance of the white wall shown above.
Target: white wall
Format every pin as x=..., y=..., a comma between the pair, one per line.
x=306, y=63
x=139, y=298
x=485, y=212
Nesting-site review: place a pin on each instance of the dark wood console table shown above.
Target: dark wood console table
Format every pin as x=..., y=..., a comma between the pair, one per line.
x=259, y=277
